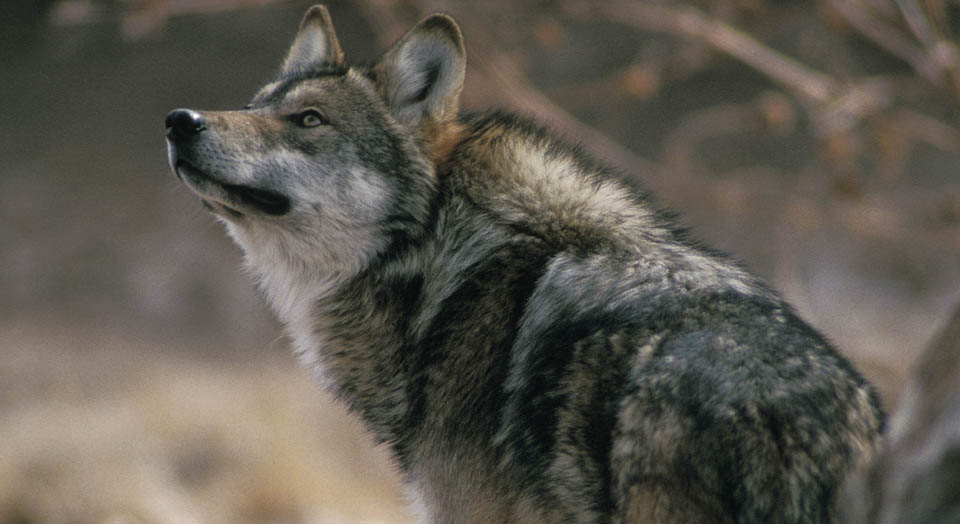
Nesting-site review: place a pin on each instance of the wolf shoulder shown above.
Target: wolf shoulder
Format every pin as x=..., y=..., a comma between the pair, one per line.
x=621, y=281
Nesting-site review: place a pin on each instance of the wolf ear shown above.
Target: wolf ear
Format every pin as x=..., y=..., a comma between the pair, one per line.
x=422, y=74
x=316, y=43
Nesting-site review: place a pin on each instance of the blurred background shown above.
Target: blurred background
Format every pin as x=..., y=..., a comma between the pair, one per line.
x=142, y=379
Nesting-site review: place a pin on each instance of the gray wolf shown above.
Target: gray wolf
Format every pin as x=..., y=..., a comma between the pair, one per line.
x=530, y=335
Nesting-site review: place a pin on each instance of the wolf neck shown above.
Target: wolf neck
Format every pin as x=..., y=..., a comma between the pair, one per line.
x=292, y=287
x=350, y=331
x=342, y=323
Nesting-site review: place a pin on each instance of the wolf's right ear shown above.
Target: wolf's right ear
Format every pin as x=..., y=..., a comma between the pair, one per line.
x=421, y=76
x=316, y=43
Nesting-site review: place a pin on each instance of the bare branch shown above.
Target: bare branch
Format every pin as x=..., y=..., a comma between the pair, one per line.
x=937, y=60
x=889, y=39
x=929, y=130
x=692, y=23
x=918, y=23
x=836, y=107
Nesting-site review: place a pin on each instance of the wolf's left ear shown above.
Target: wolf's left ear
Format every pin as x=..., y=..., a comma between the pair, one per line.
x=316, y=43
x=422, y=74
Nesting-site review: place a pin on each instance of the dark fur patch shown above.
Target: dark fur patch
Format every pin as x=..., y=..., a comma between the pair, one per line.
x=433, y=72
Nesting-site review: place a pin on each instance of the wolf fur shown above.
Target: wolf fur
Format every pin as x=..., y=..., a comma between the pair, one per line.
x=533, y=339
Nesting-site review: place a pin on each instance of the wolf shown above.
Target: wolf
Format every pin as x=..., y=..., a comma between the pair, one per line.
x=532, y=337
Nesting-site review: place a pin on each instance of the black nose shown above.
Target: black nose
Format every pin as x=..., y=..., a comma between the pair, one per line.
x=184, y=123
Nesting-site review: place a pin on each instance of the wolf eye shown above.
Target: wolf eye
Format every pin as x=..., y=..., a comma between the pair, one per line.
x=310, y=118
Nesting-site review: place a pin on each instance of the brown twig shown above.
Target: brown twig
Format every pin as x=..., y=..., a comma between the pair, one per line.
x=886, y=37
x=835, y=107
x=927, y=129
x=918, y=22
x=692, y=23
x=937, y=60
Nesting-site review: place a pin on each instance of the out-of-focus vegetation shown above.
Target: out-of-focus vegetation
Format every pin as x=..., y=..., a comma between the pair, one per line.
x=101, y=429
x=142, y=380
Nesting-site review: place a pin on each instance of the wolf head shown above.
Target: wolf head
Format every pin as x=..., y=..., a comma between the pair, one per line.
x=329, y=164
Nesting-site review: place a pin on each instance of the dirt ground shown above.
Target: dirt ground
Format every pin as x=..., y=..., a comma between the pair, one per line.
x=142, y=379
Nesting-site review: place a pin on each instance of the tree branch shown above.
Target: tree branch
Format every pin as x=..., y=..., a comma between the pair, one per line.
x=692, y=23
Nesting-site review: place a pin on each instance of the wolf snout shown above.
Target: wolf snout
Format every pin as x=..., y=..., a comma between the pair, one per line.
x=184, y=123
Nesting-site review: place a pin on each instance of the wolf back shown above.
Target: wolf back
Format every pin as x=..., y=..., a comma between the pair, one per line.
x=531, y=336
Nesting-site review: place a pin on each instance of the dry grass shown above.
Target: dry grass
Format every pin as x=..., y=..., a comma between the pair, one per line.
x=99, y=428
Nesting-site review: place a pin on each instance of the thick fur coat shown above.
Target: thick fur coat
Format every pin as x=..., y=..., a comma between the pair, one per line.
x=533, y=339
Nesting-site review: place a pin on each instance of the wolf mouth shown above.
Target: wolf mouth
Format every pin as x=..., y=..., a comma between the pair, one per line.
x=265, y=200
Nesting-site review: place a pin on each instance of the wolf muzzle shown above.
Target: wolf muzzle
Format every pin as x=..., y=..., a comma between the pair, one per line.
x=185, y=127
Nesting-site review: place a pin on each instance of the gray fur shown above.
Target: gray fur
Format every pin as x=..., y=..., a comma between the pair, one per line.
x=316, y=43
x=534, y=340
